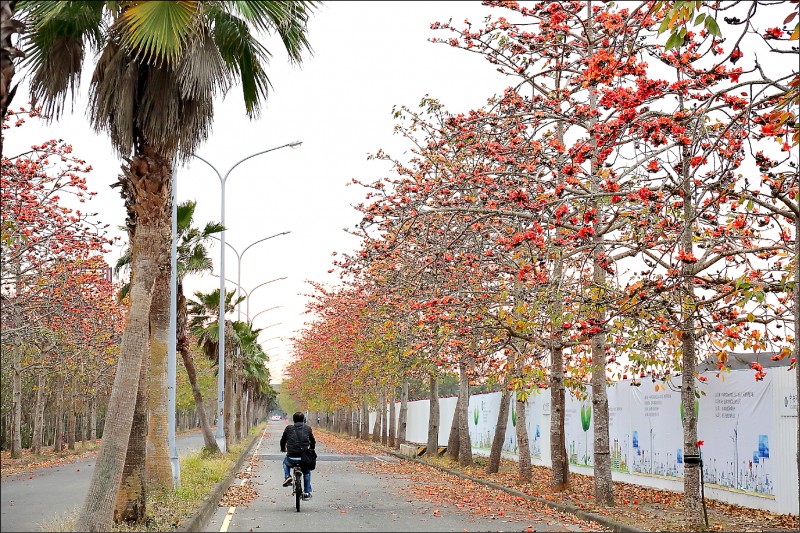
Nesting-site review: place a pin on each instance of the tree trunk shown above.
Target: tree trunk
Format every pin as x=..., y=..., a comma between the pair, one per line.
x=71, y=414
x=209, y=442
x=158, y=468
x=434, y=415
x=85, y=423
x=376, y=427
x=16, y=369
x=693, y=512
x=462, y=406
x=364, y=419
x=523, y=447
x=392, y=420
x=603, y=486
x=93, y=417
x=558, y=439
x=38, y=414
x=8, y=53
x=131, y=503
x=147, y=190
x=384, y=421
x=464, y=444
x=402, y=422
x=493, y=466
x=230, y=377
x=58, y=440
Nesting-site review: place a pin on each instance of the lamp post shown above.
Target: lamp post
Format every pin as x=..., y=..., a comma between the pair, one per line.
x=172, y=351
x=247, y=294
x=239, y=266
x=220, y=433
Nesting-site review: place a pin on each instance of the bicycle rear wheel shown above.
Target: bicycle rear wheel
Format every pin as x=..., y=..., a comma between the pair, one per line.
x=298, y=488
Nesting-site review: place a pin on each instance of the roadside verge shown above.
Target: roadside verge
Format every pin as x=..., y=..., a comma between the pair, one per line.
x=604, y=521
x=200, y=519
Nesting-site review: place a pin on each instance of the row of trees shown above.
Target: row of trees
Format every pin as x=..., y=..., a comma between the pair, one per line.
x=150, y=96
x=628, y=206
x=63, y=318
x=61, y=322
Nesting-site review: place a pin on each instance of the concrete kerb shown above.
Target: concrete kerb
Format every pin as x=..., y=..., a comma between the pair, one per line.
x=200, y=520
x=577, y=511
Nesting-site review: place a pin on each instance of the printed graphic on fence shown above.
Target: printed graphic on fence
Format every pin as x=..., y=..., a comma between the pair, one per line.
x=656, y=432
x=579, y=428
x=534, y=421
x=619, y=434
x=483, y=412
x=735, y=425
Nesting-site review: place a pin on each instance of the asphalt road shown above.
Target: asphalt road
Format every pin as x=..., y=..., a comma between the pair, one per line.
x=32, y=498
x=348, y=496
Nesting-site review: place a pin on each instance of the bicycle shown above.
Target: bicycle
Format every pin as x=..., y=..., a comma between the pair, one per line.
x=297, y=485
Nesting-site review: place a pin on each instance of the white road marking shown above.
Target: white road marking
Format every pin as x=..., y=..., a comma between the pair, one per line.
x=231, y=510
x=379, y=459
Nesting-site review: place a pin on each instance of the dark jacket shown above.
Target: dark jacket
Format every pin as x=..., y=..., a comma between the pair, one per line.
x=297, y=437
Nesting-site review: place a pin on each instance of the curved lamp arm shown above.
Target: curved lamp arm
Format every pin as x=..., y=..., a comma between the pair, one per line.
x=264, y=311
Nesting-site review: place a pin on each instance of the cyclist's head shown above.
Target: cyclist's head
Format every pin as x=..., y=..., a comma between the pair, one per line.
x=298, y=417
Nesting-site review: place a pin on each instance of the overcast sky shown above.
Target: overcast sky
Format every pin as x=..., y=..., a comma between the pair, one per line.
x=368, y=57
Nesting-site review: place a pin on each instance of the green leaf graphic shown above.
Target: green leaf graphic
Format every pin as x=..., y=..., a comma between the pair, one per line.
x=586, y=416
x=475, y=416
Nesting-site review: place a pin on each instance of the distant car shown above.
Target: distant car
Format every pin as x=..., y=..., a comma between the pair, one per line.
x=275, y=417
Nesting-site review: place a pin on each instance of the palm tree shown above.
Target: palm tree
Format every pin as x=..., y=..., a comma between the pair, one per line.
x=160, y=66
x=205, y=327
x=192, y=258
x=256, y=387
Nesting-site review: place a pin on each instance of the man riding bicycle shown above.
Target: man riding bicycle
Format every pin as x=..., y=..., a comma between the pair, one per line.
x=297, y=437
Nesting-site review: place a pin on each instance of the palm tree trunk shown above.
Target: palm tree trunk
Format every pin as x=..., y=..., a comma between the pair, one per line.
x=147, y=190
x=434, y=415
x=158, y=467
x=8, y=52
x=228, y=414
x=131, y=503
x=188, y=363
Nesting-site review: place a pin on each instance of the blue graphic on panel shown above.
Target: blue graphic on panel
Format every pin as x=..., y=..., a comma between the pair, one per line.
x=680, y=456
x=763, y=446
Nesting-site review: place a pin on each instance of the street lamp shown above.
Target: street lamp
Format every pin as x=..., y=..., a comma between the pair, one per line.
x=247, y=294
x=220, y=434
x=239, y=265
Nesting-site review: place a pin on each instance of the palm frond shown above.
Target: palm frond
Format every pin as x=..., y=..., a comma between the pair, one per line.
x=245, y=58
x=288, y=19
x=159, y=30
x=55, y=47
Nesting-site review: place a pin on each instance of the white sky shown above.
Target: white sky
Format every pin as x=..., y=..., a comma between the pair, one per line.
x=367, y=58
